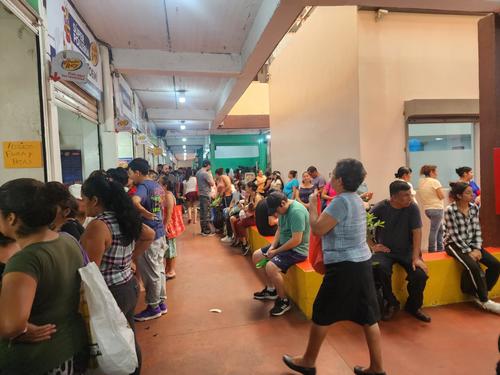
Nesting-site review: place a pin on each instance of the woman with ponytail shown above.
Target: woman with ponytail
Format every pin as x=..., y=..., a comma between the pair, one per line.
x=114, y=239
x=40, y=291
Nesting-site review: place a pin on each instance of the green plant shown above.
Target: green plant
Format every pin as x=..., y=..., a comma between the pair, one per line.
x=372, y=223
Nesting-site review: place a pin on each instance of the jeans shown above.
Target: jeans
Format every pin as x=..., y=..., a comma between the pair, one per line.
x=436, y=231
x=205, y=214
x=126, y=296
x=416, y=279
x=152, y=270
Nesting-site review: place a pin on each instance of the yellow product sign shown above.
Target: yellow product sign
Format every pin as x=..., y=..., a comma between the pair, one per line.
x=71, y=65
x=22, y=154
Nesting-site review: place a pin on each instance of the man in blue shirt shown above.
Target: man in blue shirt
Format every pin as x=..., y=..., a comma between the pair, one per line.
x=148, y=201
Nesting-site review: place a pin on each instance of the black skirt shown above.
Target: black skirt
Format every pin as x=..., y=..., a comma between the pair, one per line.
x=347, y=293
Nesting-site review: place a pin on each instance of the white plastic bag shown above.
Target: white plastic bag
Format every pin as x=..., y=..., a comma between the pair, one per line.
x=108, y=325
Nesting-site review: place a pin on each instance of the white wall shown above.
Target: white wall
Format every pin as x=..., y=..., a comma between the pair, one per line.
x=403, y=57
x=77, y=133
x=19, y=95
x=313, y=93
x=125, y=145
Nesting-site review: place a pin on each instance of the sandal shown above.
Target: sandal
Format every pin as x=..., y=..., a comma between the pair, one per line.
x=358, y=370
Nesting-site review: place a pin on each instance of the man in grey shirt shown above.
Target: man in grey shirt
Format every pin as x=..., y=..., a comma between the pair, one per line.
x=318, y=180
x=205, y=182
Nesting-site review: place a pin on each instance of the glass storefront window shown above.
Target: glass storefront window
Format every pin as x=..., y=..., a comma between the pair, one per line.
x=79, y=141
x=447, y=145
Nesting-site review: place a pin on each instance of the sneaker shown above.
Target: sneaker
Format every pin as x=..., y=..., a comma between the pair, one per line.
x=210, y=234
x=490, y=306
x=245, y=249
x=226, y=239
x=281, y=306
x=163, y=307
x=148, y=314
x=265, y=294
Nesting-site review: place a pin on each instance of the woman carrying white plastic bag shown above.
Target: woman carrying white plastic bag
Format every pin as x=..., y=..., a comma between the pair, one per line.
x=113, y=239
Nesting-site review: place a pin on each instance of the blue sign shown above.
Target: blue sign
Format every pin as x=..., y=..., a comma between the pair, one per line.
x=79, y=38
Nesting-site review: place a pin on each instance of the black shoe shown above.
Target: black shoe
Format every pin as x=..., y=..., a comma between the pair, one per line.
x=358, y=370
x=303, y=370
x=281, y=306
x=390, y=311
x=266, y=294
x=420, y=315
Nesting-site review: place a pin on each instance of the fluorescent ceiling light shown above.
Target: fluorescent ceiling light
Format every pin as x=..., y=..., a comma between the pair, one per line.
x=182, y=99
x=184, y=139
x=183, y=127
x=438, y=139
x=184, y=147
x=268, y=136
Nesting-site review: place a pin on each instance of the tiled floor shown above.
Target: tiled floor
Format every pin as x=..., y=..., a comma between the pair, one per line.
x=243, y=339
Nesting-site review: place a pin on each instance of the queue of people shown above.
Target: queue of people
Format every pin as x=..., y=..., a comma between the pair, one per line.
x=126, y=221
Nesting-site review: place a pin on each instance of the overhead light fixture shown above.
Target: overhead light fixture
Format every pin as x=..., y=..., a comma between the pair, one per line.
x=438, y=139
x=184, y=139
x=183, y=127
x=184, y=147
x=268, y=136
x=182, y=96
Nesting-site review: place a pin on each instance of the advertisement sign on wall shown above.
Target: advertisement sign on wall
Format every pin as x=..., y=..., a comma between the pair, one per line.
x=124, y=104
x=67, y=31
x=70, y=66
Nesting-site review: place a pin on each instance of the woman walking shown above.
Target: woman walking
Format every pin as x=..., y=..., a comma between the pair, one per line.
x=191, y=195
x=348, y=290
x=114, y=239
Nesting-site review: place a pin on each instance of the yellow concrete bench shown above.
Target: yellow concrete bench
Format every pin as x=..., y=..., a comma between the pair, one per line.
x=443, y=287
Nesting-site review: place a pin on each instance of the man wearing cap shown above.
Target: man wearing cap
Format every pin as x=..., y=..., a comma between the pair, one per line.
x=290, y=246
x=205, y=183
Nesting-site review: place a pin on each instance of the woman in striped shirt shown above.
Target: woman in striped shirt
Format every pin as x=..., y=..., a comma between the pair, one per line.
x=114, y=239
x=463, y=241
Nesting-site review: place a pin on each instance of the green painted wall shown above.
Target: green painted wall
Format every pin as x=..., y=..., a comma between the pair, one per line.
x=34, y=4
x=239, y=140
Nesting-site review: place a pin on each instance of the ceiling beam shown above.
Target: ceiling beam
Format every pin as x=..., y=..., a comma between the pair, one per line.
x=147, y=61
x=272, y=22
x=156, y=114
x=422, y=5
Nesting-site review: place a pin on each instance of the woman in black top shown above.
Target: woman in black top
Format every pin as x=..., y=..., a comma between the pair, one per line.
x=67, y=209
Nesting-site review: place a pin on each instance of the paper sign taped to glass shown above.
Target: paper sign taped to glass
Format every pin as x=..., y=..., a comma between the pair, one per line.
x=22, y=154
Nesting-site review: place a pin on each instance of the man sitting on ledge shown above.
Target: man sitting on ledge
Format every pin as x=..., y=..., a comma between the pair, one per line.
x=399, y=241
x=290, y=246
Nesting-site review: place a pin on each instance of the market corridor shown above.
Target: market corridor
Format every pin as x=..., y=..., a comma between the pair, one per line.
x=244, y=340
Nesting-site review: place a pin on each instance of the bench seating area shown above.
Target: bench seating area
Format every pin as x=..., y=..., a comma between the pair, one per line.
x=443, y=287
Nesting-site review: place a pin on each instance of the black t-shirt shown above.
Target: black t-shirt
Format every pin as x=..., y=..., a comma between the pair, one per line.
x=262, y=220
x=74, y=228
x=397, y=232
x=2, y=268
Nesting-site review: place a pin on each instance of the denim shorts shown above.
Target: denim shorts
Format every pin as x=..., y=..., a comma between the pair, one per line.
x=285, y=259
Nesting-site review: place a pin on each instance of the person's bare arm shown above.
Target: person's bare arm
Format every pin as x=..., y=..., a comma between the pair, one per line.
x=440, y=194
x=16, y=300
x=144, y=241
x=293, y=242
x=142, y=211
x=95, y=240
x=417, y=260
x=170, y=201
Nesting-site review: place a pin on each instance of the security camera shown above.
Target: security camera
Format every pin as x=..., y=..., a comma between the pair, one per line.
x=380, y=14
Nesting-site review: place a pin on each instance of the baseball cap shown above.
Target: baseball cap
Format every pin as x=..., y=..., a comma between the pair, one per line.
x=76, y=191
x=274, y=200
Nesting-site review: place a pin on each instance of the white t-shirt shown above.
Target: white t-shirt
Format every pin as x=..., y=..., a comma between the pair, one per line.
x=428, y=195
x=190, y=185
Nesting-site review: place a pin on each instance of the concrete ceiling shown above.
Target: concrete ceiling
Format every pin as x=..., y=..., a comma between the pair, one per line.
x=212, y=49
